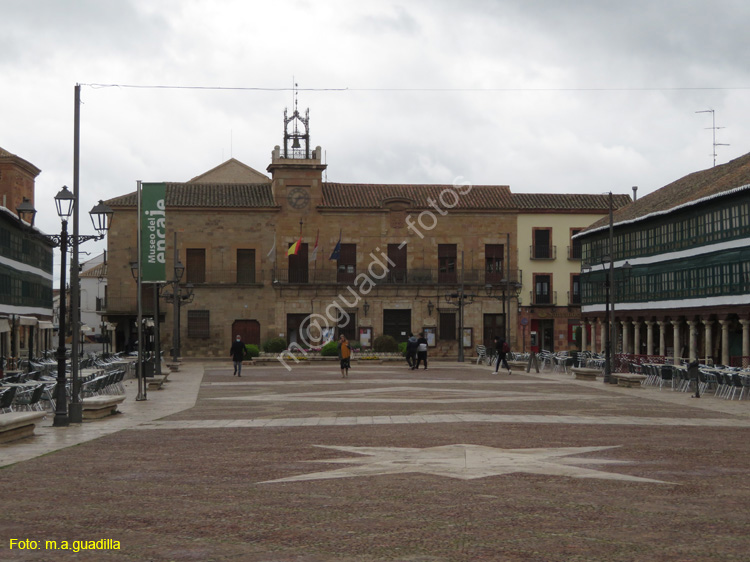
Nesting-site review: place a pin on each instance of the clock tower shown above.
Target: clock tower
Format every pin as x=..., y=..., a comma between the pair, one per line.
x=296, y=169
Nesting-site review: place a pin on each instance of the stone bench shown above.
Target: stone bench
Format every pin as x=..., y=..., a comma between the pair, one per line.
x=18, y=425
x=585, y=373
x=95, y=407
x=520, y=365
x=155, y=383
x=173, y=367
x=629, y=380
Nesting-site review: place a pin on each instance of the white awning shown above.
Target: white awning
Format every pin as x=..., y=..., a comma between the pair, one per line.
x=44, y=325
x=27, y=321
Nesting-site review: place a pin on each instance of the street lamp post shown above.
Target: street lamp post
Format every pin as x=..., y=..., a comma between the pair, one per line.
x=178, y=298
x=101, y=217
x=61, y=407
x=460, y=299
x=509, y=289
x=179, y=271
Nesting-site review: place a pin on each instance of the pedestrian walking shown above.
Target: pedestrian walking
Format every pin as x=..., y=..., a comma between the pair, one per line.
x=501, y=348
x=411, y=350
x=345, y=354
x=421, y=351
x=237, y=351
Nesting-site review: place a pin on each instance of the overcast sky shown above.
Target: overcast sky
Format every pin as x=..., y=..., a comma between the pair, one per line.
x=579, y=96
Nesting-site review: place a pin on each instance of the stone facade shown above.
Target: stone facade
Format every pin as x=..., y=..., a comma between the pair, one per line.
x=404, y=248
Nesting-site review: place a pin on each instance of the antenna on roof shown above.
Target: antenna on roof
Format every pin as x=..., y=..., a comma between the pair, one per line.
x=713, y=127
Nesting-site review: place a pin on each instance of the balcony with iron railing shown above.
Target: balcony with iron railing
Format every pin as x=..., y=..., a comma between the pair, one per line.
x=393, y=277
x=542, y=252
x=574, y=298
x=543, y=299
x=127, y=305
x=224, y=277
x=575, y=252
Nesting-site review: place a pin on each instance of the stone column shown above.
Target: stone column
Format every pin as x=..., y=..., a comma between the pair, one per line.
x=602, y=335
x=724, y=341
x=649, y=337
x=693, y=341
x=584, y=338
x=708, y=344
x=676, y=341
x=625, y=336
x=662, y=338
x=745, y=337
x=636, y=338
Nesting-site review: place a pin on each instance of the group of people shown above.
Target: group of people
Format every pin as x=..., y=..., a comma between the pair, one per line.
x=416, y=354
x=416, y=351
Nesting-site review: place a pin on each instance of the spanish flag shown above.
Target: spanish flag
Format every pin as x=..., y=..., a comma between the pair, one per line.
x=294, y=248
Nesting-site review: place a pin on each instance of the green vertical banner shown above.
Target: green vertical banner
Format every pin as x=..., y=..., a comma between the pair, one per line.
x=153, y=233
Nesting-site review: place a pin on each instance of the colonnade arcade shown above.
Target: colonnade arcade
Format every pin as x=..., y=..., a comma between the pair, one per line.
x=710, y=337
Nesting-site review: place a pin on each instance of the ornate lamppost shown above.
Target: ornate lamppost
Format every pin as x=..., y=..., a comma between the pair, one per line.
x=508, y=289
x=101, y=217
x=179, y=296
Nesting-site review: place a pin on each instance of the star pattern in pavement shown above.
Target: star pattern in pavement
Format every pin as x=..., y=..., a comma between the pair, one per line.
x=467, y=462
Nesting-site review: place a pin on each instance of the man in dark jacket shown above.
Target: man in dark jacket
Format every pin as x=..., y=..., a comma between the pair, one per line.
x=421, y=352
x=501, y=349
x=411, y=350
x=237, y=351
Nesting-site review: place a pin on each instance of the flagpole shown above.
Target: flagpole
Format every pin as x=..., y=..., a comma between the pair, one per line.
x=141, y=381
x=315, y=256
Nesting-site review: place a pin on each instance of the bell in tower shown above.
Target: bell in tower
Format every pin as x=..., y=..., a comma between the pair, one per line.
x=300, y=131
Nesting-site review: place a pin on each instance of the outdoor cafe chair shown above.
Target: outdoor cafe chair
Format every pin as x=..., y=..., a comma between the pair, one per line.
x=667, y=375
x=29, y=399
x=736, y=382
x=481, y=353
x=6, y=399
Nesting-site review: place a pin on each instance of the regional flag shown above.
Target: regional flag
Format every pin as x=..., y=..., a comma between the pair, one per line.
x=314, y=254
x=294, y=248
x=337, y=250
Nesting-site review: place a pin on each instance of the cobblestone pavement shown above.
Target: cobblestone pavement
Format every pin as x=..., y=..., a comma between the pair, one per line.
x=449, y=464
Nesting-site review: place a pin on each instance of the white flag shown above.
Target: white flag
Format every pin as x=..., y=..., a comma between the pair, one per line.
x=273, y=248
x=314, y=254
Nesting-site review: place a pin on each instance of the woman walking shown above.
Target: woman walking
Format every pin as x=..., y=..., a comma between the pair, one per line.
x=345, y=354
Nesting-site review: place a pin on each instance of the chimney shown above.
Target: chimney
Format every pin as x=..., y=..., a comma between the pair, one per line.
x=635, y=192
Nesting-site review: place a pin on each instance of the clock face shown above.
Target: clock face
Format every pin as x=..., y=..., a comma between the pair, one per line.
x=298, y=198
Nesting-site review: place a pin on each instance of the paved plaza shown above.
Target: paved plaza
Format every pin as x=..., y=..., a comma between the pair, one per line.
x=449, y=464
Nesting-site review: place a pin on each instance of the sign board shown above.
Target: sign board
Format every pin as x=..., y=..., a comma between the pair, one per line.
x=153, y=233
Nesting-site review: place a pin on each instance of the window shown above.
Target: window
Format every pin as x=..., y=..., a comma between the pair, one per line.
x=198, y=324
x=493, y=263
x=397, y=254
x=447, y=326
x=542, y=248
x=298, y=266
x=575, y=245
x=575, y=289
x=245, y=266
x=542, y=289
x=348, y=326
x=347, y=264
x=447, y=263
x=195, y=269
